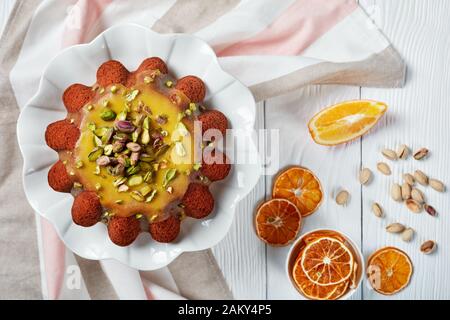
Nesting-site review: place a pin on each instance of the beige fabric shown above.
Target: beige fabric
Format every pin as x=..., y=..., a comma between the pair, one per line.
x=196, y=274
x=350, y=73
x=19, y=267
x=97, y=283
x=188, y=16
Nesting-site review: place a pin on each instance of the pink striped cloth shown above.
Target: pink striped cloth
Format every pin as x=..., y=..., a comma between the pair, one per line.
x=294, y=42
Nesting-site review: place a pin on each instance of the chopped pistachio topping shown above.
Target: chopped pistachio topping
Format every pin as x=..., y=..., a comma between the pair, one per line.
x=135, y=180
x=169, y=190
x=136, y=195
x=122, y=116
x=153, y=217
x=145, y=137
x=114, y=89
x=179, y=149
x=139, y=216
x=148, y=177
x=120, y=201
x=197, y=166
x=102, y=91
x=107, y=114
x=119, y=181
x=188, y=112
x=192, y=106
x=79, y=164
x=169, y=176
x=182, y=130
x=64, y=162
x=148, y=80
x=91, y=126
x=180, y=116
x=72, y=173
x=77, y=185
x=90, y=107
x=145, y=190
x=97, y=170
x=72, y=121
x=151, y=196
x=97, y=141
x=108, y=149
x=146, y=123
x=122, y=188
x=133, y=170
x=132, y=95
x=98, y=186
x=169, y=84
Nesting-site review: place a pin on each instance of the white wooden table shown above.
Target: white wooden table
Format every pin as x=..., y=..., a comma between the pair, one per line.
x=419, y=115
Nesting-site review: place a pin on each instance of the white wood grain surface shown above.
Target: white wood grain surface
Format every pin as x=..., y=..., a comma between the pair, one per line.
x=419, y=115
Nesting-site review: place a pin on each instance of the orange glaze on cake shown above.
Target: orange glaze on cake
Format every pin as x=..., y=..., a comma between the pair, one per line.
x=136, y=151
x=152, y=102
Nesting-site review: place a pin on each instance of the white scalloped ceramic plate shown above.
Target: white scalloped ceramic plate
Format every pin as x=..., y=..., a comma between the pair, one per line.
x=131, y=44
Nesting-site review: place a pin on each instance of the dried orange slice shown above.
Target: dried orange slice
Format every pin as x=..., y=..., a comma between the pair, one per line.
x=301, y=187
x=389, y=270
x=345, y=121
x=327, y=261
x=277, y=222
x=314, y=291
x=321, y=234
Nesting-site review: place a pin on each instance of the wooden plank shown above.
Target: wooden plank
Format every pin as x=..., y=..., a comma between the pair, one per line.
x=336, y=167
x=241, y=256
x=419, y=116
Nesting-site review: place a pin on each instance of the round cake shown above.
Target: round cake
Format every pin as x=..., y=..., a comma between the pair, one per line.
x=133, y=152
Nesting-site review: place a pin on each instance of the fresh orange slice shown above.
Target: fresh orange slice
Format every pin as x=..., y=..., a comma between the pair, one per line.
x=277, y=222
x=345, y=121
x=300, y=186
x=389, y=270
x=327, y=261
x=314, y=291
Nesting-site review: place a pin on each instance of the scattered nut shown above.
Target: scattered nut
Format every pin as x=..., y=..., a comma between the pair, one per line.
x=420, y=154
x=396, y=192
x=409, y=179
x=428, y=247
x=406, y=191
x=389, y=154
x=413, y=205
x=342, y=198
x=407, y=234
x=395, y=228
x=418, y=195
x=437, y=185
x=403, y=151
x=421, y=177
x=377, y=210
x=384, y=168
x=430, y=210
x=364, y=176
